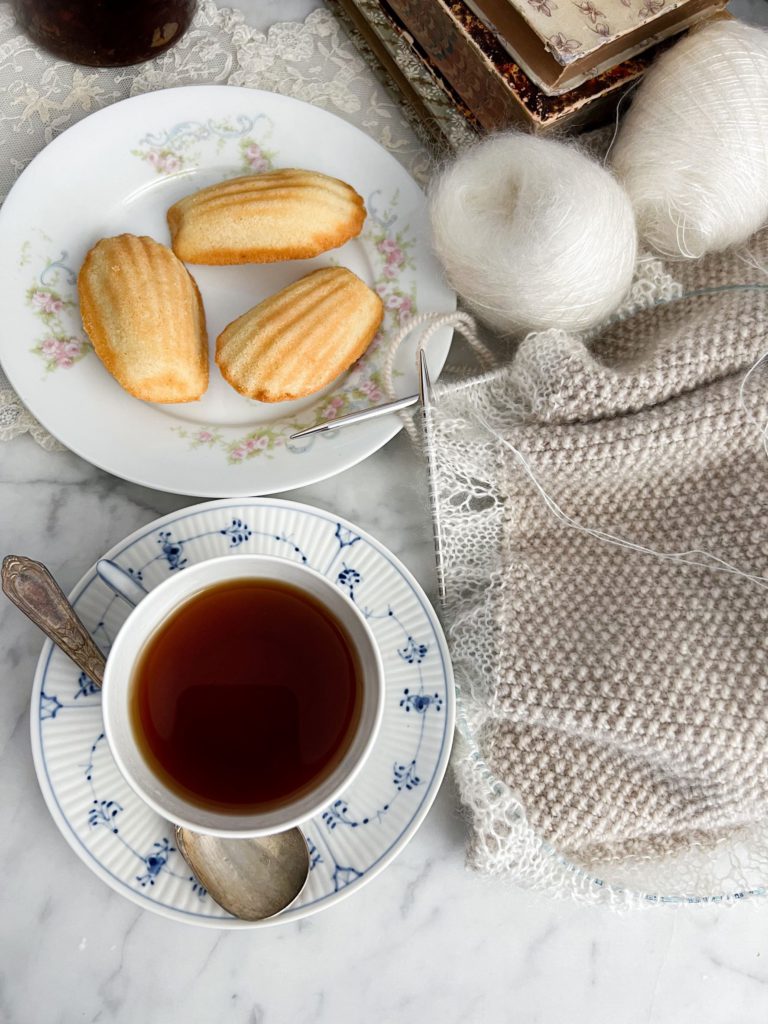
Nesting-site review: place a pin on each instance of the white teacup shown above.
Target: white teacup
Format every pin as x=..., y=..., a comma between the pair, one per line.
x=149, y=616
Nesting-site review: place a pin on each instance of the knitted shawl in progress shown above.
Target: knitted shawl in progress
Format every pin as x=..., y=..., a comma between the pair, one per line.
x=613, y=704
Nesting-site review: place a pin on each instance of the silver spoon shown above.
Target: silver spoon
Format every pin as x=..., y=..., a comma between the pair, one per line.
x=250, y=878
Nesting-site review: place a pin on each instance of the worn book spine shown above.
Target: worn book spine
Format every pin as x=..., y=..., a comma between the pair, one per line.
x=435, y=112
x=454, y=41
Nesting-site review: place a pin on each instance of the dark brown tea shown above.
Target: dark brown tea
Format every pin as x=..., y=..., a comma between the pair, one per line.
x=105, y=33
x=247, y=696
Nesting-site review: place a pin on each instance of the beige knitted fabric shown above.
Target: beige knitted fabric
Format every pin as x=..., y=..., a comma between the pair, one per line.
x=617, y=701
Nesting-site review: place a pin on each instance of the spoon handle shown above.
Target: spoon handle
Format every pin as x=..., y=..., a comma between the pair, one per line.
x=36, y=593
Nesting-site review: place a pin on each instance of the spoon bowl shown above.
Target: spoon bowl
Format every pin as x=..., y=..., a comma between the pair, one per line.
x=251, y=878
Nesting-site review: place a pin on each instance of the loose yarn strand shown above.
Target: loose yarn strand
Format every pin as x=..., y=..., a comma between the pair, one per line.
x=694, y=557
x=762, y=428
x=617, y=119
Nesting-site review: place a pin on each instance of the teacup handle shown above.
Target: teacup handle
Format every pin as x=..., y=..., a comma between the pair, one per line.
x=36, y=593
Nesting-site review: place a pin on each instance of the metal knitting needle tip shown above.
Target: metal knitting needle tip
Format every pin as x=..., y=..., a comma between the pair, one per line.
x=426, y=397
x=358, y=417
x=318, y=428
x=425, y=382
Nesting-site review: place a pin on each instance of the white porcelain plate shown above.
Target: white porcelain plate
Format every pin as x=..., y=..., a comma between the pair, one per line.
x=129, y=846
x=118, y=171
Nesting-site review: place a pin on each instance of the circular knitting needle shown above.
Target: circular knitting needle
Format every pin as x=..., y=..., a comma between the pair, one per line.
x=358, y=417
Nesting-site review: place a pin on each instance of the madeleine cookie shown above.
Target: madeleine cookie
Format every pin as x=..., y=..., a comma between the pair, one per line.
x=143, y=313
x=262, y=218
x=297, y=341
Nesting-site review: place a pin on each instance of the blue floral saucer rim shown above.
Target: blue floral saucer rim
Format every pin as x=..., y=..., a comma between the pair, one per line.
x=354, y=839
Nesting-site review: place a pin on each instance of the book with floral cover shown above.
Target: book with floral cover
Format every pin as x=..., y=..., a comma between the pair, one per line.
x=562, y=43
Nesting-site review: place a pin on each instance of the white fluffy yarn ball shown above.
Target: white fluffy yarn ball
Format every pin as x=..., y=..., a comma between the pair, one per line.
x=533, y=234
x=692, y=152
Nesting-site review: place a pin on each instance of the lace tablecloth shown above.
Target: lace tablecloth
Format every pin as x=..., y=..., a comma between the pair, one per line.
x=311, y=60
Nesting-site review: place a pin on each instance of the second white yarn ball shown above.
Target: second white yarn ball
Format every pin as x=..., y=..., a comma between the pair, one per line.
x=533, y=234
x=693, y=150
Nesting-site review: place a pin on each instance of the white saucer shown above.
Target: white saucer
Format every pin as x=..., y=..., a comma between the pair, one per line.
x=129, y=846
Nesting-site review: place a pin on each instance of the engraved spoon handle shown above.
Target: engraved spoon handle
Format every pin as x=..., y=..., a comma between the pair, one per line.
x=36, y=593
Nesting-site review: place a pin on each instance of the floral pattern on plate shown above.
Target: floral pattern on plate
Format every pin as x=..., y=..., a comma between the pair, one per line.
x=242, y=139
x=52, y=299
x=132, y=848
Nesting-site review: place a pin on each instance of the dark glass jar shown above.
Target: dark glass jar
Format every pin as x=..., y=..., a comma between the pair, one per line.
x=105, y=33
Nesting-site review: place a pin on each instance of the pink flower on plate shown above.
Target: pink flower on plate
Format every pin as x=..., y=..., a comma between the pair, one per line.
x=164, y=163
x=50, y=346
x=170, y=163
x=331, y=410
x=72, y=347
x=394, y=301
x=204, y=436
x=389, y=271
x=371, y=390
x=254, y=444
x=47, y=302
x=237, y=454
x=61, y=351
x=256, y=158
x=388, y=245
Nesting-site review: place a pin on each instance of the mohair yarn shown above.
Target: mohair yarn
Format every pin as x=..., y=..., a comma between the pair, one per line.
x=533, y=234
x=692, y=152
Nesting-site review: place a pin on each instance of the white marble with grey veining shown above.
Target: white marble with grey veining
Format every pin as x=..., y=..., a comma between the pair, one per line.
x=423, y=943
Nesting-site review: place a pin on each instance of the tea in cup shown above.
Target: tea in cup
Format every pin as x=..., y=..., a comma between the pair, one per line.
x=242, y=695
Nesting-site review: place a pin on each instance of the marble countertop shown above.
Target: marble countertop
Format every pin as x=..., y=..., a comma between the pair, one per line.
x=425, y=941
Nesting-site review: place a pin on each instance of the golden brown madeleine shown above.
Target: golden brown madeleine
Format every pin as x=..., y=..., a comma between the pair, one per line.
x=297, y=341
x=262, y=218
x=142, y=311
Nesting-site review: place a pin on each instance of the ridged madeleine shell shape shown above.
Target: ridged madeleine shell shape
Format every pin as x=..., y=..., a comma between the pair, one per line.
x=300, y=339
x=143, y=313
x=263, y=218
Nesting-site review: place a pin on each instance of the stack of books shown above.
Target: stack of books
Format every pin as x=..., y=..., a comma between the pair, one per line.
x=469, y=66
